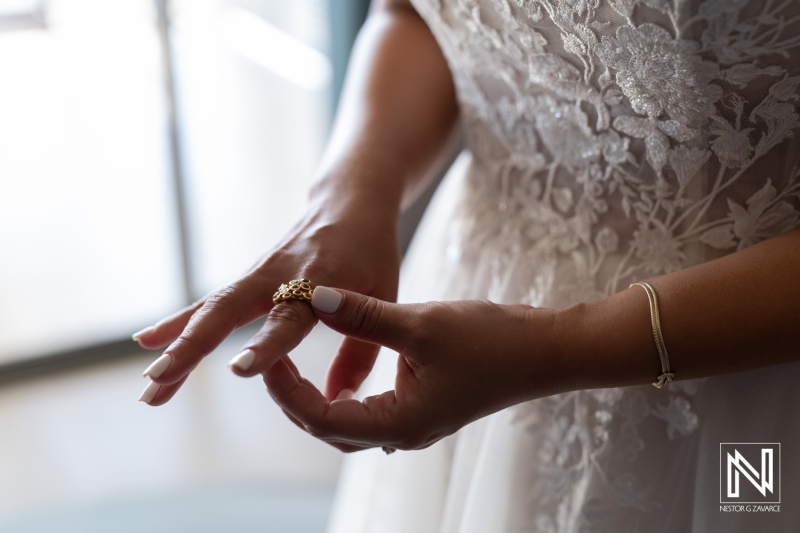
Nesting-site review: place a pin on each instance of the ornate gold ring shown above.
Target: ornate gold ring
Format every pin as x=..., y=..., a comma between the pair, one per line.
x=297, y=289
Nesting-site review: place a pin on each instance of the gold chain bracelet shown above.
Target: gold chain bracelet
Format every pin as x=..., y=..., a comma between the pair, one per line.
x=666, y=376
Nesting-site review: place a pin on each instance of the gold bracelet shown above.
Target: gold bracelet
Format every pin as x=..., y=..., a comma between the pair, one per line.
x=666, y=376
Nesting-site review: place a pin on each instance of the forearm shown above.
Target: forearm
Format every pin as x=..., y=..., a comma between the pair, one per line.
x=735, y=313
x=396, y=117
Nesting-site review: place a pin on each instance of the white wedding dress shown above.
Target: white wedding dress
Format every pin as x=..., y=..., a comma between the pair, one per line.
x=607, y=141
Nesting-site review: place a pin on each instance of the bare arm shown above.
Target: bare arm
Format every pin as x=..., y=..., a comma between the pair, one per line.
x=735, y=313
x=398, y=111
x=471, y=358
x=396, y=115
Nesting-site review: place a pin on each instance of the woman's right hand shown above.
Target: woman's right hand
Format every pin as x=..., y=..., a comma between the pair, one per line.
x=358, y=252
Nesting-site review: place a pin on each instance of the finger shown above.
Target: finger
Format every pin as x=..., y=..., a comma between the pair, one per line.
x=367, y=423
x=350, y=367
x=363, y=317
x=166, y=330
x=155, y=394
x=221, y=313
x=293, y=420
x=341, y=446
x=287, y=324
x=293, y=369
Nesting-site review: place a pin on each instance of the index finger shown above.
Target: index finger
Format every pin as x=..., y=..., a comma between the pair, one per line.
x=372, y=422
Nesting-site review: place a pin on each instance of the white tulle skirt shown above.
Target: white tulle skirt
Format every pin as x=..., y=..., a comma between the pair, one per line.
x=612, y=460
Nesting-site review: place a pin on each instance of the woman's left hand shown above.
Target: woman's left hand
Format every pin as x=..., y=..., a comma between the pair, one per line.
x=458, y=361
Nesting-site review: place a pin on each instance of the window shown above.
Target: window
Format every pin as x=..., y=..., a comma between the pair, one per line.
x=96, y=238
x=252, y=82
x=86, y=228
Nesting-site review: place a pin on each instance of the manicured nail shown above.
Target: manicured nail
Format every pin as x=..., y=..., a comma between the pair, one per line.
x=344, y=394
x=142, y=332
x=326, y=300
x=244, y=360
x=158, y=367
x=149, y=392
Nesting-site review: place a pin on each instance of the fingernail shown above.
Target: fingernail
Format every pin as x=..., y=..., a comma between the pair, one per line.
x=158, y=367
x=142, y=332
x=326, y=300
x=344, y=394
x=149, y=392
x=244, y=360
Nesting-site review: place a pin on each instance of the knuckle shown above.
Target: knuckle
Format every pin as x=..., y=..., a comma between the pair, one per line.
x=222, y=299
x=314, y=267
x=426, y=324
x=193, y=309
x=289, y=312
x=193, y=344
x=367, y=315
x=434, y=312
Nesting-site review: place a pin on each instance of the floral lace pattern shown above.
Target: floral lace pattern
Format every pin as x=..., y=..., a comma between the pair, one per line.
x=615, y=140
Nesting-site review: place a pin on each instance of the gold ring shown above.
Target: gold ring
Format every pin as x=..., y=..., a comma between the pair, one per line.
x=297, y=289
x=388, y=449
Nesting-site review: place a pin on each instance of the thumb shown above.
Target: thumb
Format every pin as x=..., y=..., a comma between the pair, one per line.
x=363, y=317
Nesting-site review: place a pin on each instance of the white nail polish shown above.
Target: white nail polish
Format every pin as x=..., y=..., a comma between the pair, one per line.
x=158, y=367
x=142, y=332
x=244, y=360
x=149, y=392
x=344, y=394
x=326, y=300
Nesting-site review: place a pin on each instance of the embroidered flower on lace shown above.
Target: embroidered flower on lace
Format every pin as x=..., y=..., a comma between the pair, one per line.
x=731, y=146
x=658, y=249
x=765, y=215
x=561, y=124
x=686, y=162
x=658, y=73
x=606, y=241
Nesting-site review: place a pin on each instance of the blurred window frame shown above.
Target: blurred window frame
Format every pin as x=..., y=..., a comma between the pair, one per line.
x=345, y=19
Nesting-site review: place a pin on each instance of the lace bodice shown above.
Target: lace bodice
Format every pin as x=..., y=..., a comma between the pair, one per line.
x=629, y=138
x=612, y=141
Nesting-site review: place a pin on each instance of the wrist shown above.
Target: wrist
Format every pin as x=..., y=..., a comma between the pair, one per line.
x=608, y=342
x=341, y=196
x=546, y=363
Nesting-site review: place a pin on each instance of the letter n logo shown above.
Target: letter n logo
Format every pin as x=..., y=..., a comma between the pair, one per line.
x=749, y=472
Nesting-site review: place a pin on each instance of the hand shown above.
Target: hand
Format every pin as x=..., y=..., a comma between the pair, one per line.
x=458, y=361
x=395, y=123
x=348, y=252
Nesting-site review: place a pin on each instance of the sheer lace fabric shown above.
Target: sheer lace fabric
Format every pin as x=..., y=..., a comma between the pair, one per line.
x=608, y=141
